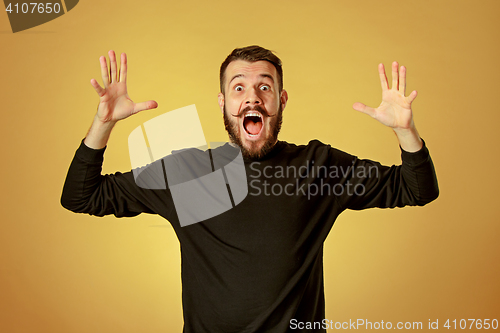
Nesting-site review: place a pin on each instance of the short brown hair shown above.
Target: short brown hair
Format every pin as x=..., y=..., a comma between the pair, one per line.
x=252, y=53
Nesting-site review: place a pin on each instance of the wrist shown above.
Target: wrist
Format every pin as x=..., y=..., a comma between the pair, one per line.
x=98, y=134
x=105, y=124
x=409, y=139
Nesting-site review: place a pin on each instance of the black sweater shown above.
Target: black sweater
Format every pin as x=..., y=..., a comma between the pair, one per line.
x=259, y=265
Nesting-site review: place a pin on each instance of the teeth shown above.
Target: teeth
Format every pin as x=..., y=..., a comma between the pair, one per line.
x=253, y=114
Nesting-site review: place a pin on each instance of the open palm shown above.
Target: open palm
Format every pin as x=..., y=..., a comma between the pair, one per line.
x=114, y=102
x=395, y=109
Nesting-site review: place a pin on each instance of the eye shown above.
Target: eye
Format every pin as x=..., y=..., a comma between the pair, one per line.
x=238, y=88
x=265, y=87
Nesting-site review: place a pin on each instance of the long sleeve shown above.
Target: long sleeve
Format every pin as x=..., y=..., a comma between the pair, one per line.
x=413, y=183
x=87, y=191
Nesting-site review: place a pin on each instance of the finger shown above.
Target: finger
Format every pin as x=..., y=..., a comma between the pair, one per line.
x=395, y=76
x=104, y=71
x=100, y=91
x=112, y=65
x=123, y=68
x=402, y=80
x=412, y=96
x=145, y=106
x=363, y=108
x=383, y=77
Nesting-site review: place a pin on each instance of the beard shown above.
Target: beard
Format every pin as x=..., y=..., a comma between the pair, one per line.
x=254, y=152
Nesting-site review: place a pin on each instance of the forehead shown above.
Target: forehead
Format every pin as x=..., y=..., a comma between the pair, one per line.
x=245, y=69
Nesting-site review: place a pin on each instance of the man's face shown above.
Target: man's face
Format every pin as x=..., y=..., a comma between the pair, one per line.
x=252, y=106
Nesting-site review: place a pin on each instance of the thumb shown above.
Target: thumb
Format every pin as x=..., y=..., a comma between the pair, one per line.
x=145, y=106
x=363, y=108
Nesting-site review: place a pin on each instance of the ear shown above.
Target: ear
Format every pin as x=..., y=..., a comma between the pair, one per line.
x=283, y=99
x=221, y=102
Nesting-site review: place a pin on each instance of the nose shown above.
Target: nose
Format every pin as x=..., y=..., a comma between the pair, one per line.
x=252, y=97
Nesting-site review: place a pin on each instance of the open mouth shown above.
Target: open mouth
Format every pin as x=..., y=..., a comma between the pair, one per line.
x=252, y=123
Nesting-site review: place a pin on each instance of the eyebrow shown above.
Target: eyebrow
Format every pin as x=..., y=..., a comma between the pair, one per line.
x=242, y=75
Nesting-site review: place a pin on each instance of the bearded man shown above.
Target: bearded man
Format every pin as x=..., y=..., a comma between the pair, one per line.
x=258, y=267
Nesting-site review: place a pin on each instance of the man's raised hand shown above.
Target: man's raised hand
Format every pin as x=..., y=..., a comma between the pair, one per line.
x=395, y=109
x=114, y=102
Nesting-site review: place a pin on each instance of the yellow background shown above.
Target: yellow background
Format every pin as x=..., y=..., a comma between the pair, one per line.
x=66, y=272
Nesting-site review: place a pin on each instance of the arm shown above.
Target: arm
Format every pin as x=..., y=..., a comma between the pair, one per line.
x=369, y=184
x=85, y=189
x=412, y=183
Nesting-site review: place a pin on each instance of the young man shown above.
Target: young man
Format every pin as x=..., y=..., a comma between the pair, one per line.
x=258, y=267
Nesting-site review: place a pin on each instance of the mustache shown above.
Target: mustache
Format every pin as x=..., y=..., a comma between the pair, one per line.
x=253, y=108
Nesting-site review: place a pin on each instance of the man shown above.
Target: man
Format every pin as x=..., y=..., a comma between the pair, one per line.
x=259, y=266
